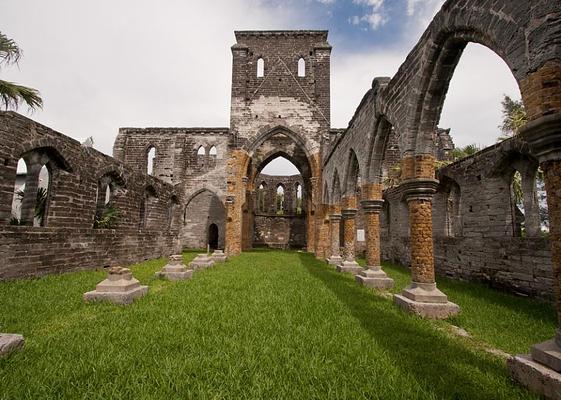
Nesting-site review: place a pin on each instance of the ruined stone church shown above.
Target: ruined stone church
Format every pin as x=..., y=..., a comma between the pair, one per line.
x=373, y=187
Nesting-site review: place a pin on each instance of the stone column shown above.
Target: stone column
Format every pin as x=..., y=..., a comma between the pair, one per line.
x=349, y=234
x=373, y=276
x=541, y=369
x=422, y=296
x=29, y=200
x=335, y=223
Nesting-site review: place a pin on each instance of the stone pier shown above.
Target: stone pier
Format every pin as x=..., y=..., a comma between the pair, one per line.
x=541, y=369
x=422, y=297
x=349, y=233
x=175, y=270
x=120, y=288
x=373, y=276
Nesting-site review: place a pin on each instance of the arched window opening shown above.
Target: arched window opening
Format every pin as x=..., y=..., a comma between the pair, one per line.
x=201, y=156
x=213, y=152
x=19, y=191
x=517, y=205
x=151, y=156
x=43, y=191
x=201, y=151
x=280, y=200
x=107, y=214
x=301, y=67
x=542, y=204
x=260, y=68
x=298, y=203
x=146, y=204
x=453, y=211
x=261, y=195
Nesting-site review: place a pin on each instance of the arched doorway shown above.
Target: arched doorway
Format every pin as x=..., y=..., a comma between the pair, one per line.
x=213, y=236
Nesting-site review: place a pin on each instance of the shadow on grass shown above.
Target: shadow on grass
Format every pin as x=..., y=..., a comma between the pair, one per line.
x=442, y=366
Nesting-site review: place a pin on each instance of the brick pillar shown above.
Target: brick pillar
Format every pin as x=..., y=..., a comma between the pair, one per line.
x=373, y=276
x=335, y=223
x=540, y=370
x=349, y=235
x=236, y=168
x=422, y=296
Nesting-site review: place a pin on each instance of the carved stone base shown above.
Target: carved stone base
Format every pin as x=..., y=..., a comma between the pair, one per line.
x=201, y=261
x=374, y=277
x=349, y=266
x=426, y=300
x=218, y=256
x=548, y=353
x=120, y=288
x=535, y=376
x=175, y=269
x=335, y=260
x=9, y=343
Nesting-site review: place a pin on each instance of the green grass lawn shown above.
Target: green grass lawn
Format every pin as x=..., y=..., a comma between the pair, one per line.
x=266, y=324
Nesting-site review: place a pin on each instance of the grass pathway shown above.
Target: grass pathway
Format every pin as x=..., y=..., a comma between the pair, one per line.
x=267, y=324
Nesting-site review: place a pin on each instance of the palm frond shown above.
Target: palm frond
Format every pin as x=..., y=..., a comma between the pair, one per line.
x=10, y=52
x=12, y=94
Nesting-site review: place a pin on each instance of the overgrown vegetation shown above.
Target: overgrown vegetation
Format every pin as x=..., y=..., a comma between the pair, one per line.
x=266, y=324
x=40, y=206
x=514, y=117
x=108, y=217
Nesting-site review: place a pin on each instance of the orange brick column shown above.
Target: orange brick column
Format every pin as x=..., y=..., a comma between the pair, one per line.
x=349, y=235
x=236, y=168
x=540, y=370
x=335, y=231
x=373, y=276
x=422, y=296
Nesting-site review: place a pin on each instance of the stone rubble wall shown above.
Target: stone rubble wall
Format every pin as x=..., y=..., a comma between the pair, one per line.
x=68, y=241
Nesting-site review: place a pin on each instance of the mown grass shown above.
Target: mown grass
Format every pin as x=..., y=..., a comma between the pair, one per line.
x=267, y=324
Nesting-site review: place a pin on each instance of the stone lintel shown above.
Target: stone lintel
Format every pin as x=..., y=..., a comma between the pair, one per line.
x=348, y=213
x=418, y=188
x=544, y=137
x=372, y=206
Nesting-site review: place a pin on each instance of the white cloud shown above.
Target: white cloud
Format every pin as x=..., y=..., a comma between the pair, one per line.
x=374, y=18
x=103, y=65
x=326, y=1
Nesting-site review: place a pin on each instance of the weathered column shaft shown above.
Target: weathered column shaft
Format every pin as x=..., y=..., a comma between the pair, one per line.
x=349, y=234
x=335, y=222
x=552, y=178
x=422, y=257
x=372, y=225
x=30, y=194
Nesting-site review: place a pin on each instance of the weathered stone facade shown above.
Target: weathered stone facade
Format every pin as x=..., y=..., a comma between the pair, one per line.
x=176, y=187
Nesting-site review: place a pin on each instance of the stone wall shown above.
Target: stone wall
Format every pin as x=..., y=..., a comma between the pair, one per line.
x=476, y=233
x=147, y=221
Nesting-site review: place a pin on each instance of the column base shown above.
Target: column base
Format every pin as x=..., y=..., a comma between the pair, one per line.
x=119, y=288
x=349, y=266
x=535, y=376
x=175, y=270
x=374, y=277
x=335, y=260
x=218, y=256
x=425, y=300
x=9, y=343
x=174, y=273
x=201, y=261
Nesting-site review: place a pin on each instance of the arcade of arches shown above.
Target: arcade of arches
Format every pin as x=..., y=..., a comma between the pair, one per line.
x=372, y=187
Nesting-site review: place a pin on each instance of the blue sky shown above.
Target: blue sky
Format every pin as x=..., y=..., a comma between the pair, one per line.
x=106, y=64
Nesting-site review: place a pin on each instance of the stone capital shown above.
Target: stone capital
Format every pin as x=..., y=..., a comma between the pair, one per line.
x=544, y=137
x=348, y=213
x=372, y=206
x=418, y=188
x=335, y=217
